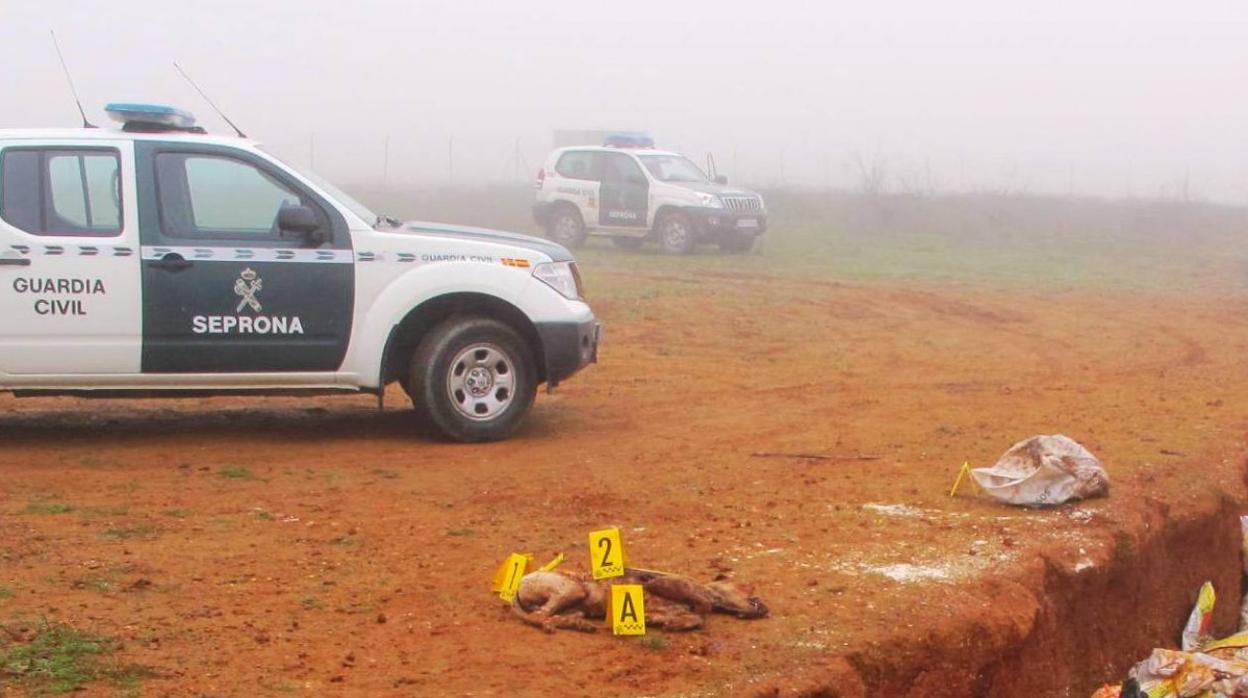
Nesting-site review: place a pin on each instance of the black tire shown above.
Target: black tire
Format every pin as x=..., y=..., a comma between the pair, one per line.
x=459, y=351
x=737, y=243
x=630, y=244
x=675, y=233
x=566, y=227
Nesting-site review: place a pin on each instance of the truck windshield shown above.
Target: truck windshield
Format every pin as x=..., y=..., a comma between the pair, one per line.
x=337, y=194
x=672, y=168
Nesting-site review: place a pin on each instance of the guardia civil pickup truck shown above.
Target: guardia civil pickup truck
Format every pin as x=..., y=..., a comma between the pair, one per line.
x=155, y=259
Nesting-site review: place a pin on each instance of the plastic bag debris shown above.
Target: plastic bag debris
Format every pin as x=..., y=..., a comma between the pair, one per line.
x=1203, y=669
x=1196, y=632
x=1218, y=670
x=1044, y=471
x=1243, y=606
x=1221, y=673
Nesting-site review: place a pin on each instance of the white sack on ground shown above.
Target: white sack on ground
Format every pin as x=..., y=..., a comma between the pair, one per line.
x=1043, y=471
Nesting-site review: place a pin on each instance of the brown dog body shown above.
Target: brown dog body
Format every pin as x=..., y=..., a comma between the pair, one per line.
x=561, y=600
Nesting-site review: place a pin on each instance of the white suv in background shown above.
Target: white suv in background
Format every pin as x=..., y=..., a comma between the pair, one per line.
x=634, y=194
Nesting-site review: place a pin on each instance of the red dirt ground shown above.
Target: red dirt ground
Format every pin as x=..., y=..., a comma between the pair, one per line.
x=353, y=557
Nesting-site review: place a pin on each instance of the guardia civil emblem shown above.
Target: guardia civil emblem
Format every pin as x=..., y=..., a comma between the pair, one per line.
x=246, y=287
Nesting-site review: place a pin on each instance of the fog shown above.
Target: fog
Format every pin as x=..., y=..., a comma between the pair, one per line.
x=1114, y=98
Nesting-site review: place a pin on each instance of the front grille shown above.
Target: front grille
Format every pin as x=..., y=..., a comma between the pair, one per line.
x=742, y=203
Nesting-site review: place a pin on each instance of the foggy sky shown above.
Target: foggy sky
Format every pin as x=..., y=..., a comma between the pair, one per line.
x=1113, y=97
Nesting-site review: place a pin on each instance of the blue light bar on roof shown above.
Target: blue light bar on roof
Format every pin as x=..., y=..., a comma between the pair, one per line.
x=629, y=139
x=154, y=116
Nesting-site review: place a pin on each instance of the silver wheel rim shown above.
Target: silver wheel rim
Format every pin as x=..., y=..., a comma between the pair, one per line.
x=481, y=382
x=566, y=229
x=675, y=234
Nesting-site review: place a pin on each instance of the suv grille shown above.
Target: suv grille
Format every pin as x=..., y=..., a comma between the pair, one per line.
x=741, y=203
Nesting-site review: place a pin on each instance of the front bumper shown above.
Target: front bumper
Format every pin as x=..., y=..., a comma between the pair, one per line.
x=716, y=223
x=569, y=347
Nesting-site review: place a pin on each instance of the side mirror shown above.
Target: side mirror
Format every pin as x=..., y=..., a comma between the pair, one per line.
x=721, y=179
x=301, y=220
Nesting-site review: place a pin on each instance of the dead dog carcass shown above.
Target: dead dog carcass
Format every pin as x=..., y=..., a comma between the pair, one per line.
x=560, y=600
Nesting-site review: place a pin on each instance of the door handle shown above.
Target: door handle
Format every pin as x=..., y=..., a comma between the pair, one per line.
x=173, y=262
x=14, y=261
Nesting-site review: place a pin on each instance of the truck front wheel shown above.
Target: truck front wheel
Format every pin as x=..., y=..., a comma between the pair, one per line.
x=676, y=233
x=473, y=378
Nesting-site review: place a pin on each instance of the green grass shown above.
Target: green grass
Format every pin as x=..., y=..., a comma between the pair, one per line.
x=235, y=472
x=311, y=603
x=653, y=642
x=48, y=508
x=1033, y=242
x=386, y=474
x=59, y=659
x=138, y=532
x=460, y=532
x=177, y=513
x=265, y=515
x=103, y=512
x=5, y=592
x=99, y=583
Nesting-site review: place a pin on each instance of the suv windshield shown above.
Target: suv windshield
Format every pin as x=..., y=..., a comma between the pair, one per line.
x=672, y=168
x=342, y=197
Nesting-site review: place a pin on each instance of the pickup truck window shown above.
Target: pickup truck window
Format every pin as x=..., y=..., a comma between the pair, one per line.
x=60, y=191
x=206, y=196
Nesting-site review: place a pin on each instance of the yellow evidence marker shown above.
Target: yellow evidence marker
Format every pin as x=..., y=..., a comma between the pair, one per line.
x=628, y=610
x=962, y=472
x=606, y=554
x=507, y=578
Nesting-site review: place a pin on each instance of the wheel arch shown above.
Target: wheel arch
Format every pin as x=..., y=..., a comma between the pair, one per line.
x=558, y=204
x=406, y=335
x=664, y=211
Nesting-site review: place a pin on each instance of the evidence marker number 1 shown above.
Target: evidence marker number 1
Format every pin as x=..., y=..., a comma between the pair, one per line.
x=507, y=578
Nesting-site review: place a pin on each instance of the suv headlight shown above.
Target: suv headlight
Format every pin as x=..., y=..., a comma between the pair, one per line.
x=710, y=201
x=564, y=277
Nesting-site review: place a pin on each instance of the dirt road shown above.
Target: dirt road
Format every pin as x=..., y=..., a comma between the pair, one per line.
x=314, y=547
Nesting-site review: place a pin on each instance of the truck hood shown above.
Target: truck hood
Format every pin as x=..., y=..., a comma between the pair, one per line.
x=713, y=188
x=556, y=252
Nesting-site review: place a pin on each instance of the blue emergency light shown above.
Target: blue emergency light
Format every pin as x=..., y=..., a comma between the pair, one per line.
x=151, y=118
x=629, y=139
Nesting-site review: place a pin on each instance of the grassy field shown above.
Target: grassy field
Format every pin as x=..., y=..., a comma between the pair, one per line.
x=995, y=239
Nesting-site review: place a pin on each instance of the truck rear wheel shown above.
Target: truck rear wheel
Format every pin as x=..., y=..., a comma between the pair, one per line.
x=566, y=227
x=473, y=379
x=676, y=233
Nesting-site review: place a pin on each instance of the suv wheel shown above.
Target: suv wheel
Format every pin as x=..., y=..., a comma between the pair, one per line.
x=473, y=378
x=628, y=243
x=737, y=243
x=676, y=234
x=566, y=227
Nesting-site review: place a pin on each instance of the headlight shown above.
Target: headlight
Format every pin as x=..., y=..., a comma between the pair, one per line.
x=710, y=200
x=564, y=277
x=762, y=205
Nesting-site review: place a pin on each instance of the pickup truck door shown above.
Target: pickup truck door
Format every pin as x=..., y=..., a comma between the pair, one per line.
x=69, y=269
x=224, y=290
